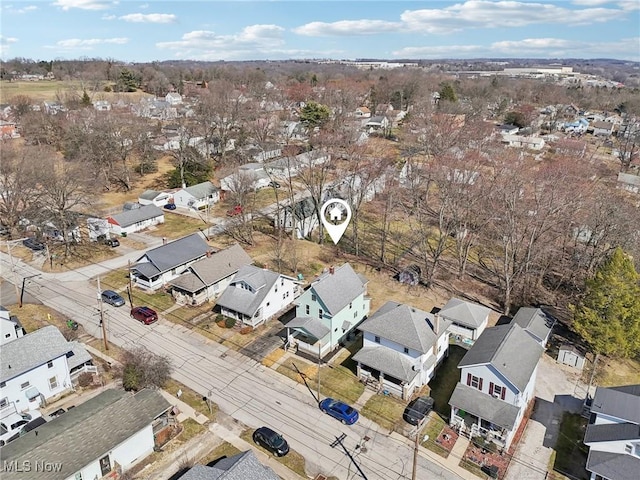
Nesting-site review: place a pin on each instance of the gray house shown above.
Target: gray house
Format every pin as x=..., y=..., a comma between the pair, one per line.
x=164, y=263
x=536, y=323
x=197, y=196
x=301, y=217
x=134, y=220
x=243, y=466
x=469, y=319
x=207, y=278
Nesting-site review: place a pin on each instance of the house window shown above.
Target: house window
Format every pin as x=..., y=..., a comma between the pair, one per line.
x=474, y=382
x=320, y=314
x=355, y=314
x=406, y=350
x=3, y=402
x=50, y=365
x=7, y=335
x=307, y=309
x=498, y=391
x=282, y=282
x=284, y=295
x=313, y=298
x=350, y=305
x=268, y=303
x=53, y=383
x=628, y=448
x=276, y=287
x=376, y=339
x=3, y=384
x=25, y=385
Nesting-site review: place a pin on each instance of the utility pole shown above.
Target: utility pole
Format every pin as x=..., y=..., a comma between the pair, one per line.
x=339, y=442
x=102, y=322
x=416, y=447
x=13, y=270
x=319, y=361
x=129, y=274
x=23, y=285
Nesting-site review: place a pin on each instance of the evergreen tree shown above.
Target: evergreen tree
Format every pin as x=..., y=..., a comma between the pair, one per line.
x=608, y=317
x=314, y=114
x=86, y=99
x=447, y=93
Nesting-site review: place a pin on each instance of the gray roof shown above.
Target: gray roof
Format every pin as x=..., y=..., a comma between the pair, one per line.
x=131, y=217
x=535, y=321
x=172, y=255
x=31, y=351
x=608, y=432
x=202, y=190
x=388, y=361
x=302, y=209
x=614, y=466
x=242, y=300
x=629, y=178
x=243, y=466
x=71, y=439
x=80, y=355
x=464, y=313
x=212, y=269
x=509, y=349
x=149, y=194
x=315, y=327
x=338, y=289
x=484, y=406
x=404, y=325
x=619, y=402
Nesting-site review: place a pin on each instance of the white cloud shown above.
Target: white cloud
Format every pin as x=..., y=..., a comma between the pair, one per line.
x=149, y=18
x=5, y=43
x=347, y=28
x=143, y=6
x=84, y=4
x=86, y=44
x=28, y=8
x=438, y=51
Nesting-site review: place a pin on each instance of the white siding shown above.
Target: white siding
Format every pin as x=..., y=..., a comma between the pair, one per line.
x=489, y=375
x=8, y=331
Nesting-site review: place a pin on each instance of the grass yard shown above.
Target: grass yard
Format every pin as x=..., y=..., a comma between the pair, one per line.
x=432, y=429
x=385, y=410
x=225, y=449
x=612, y=372
x=159, y=301
x=115, y=279
x=273, y=357
x=292, y=460
x=176, y=226
x=34, y=317
x=191, y=398
x=445, y=381
x=190, y=429
x=570, y=452
x=79, y=255
x=53, y=89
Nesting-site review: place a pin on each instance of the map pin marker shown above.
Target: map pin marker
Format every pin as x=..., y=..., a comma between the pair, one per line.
x=335, y=215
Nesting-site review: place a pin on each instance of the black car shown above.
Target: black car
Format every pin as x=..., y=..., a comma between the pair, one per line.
x=272, y=441
x=112, y=298
x=170, y=206
x=417, y=410
x=33, y=244
x=112, y=242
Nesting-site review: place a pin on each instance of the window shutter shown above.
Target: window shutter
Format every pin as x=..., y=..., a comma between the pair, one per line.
x=490, y=388
x=502, y=394
x=480, y=384
x=468, y=379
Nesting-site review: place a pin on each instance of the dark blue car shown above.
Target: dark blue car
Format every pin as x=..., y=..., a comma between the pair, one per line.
x=337, y=409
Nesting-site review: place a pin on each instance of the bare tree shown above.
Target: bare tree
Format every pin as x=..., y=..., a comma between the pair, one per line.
x=240, y=186
x=142, y=368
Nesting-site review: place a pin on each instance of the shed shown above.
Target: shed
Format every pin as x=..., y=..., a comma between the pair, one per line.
x=572, y=356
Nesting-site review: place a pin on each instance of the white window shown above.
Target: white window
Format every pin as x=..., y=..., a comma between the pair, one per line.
x=497, y=391
x=355, y=314
x=475, y=382
x=320, y=314
x=313, y=298
x=53, y=383
x=307, y=309
x=7, y=335
x=25, y=385
x=4, y=402
x=350, y=305
x=628, y=448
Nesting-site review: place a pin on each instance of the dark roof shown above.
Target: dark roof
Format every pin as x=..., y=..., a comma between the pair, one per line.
x=614, y=466
x=607, y=432
x=464, y=313
x=620, y=402
x=485, y=406
x=404, y=325
x=302, y=209
x=71, y=438
x=243, y=466
x=242, y=300
x=536, y=322
x=131, y=217
x=173, y=254
x=336, y=290
x=509, y=349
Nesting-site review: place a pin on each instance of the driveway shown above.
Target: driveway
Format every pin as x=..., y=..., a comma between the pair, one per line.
x=270, y=339
x=558, y=390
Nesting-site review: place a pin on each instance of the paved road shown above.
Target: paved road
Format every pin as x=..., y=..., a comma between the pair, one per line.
x=242, y=388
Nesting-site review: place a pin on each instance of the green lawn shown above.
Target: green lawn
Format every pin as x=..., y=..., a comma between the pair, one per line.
x=115, y=279
x=191, y=398
x=445, y=381
x=385, y=410
x=159, y=301
x=177, y=226
x=433, y=428
x=571, y=453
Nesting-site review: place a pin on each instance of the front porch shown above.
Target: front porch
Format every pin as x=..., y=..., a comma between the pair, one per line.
x=471, y=426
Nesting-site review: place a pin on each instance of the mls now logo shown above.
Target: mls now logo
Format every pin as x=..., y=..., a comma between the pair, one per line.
x=28, y=466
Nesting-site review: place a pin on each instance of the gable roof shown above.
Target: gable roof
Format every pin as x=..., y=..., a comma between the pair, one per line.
x=404, y=325
x=202, y=190
x=243, y=466
x=165, y=257
x=302, y=209
x=149, y=194
x=388, y=361
x=71, y=438
x=613, y=465
x=244, y=301
x=311, y=325
x=607, y=432
x=620, y=402
x=133, y=216
x=509, y=349
x=535, y=321
x=484, y=406
x=338, y=289
x=465, y=313
x=210, y=270
x=31, y=351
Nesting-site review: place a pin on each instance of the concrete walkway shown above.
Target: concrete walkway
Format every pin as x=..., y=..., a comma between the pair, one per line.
x=185, y=410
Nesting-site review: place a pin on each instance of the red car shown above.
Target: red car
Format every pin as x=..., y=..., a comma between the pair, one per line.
x=145, y=315
x=237, y=210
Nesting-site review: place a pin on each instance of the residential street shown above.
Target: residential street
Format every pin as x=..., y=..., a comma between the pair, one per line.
x=244, y=389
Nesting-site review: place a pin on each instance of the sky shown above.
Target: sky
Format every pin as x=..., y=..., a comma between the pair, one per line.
x=156, y=30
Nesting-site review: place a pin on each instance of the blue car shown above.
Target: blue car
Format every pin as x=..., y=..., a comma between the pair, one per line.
x=337, y=409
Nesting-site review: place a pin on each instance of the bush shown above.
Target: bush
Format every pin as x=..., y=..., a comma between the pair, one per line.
x=85, y=379
x=230, y=322
x=142, y=368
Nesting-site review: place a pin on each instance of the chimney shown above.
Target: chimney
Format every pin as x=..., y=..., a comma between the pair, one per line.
x=332, y=269
x=208, y=253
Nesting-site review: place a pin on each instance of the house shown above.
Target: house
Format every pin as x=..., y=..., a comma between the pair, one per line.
x=102, y=105
x=154, y=197
x=384, y=109
x=197, y=196
x=302, y=218
x=469, y=319
x=162, y=264
x=10, y=327
x=508, y=129
x=536, y=322
x=534, y=143
x=578, y=126
x=207, y=278
x=101, y=438
x=38, y=367
x=363, y=112
x=401, y=348
x=255, y=295
x=629, y=182
x=173, y=98
x=613, y=433
x=135, y=220
x=242, y=466
x=602, y=128
x=497, y=379
x=328, y=311
x=97, y=228
x=378, y=123
x=8, y=129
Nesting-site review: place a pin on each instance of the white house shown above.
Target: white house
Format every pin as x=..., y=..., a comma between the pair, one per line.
x=613, y=433
x=135, y=220
x=10, y=326
x=154, y=197
x=207, y=278
x=254, y=295
x=377, y=123
x=173, y=98
x=162, y=264
x=497, y=380
x=363, y=112
x=534, y=143
x=100, y=438
x=604, y=129
x=98, y=227
x=401, y=348
x=328, y=311
x=302, y=218
x=102, y=105
x=629, y=182
x=38, y=366
x=469, y=319
x=197, y=196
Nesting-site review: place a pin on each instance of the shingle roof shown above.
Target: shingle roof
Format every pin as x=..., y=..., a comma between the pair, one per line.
x=302, y=209
x=131, y=217
x=619, y=402
x=535, y=321
x=173, y=254
x=388, y=361
x=80, y=355
x=210, y=270
x=244, y=301
x=615, y=466
x=484, y=406
x=464, y=313
x=32, y=350
x=312, y=325
x=243, y=466
x=71, y=439
x=338, y=289
x=149, y=194
x=509, y=349
x=202, y=190
x=405, y=325
x=607, y=432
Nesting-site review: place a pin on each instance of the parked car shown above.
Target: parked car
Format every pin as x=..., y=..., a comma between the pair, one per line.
x=340, y=410
x=11, y=424
x=26, y=428
x=170, y=206
x=112, y=242
x=237, y=210
x=272, y=441
x=417, y=410
x=33, y=244
x=274, y=184
x=112, y=298
x=145, y=315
